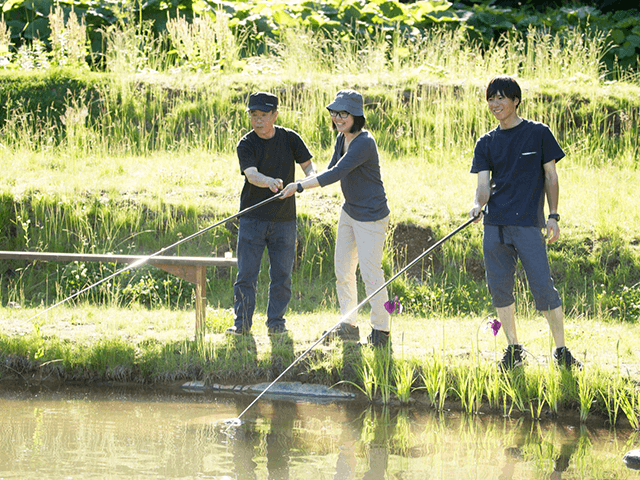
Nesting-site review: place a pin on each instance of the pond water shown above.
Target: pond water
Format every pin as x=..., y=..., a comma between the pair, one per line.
x=125, y=433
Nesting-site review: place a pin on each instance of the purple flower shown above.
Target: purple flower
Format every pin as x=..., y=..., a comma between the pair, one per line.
x=392, y=305
x=495, y=326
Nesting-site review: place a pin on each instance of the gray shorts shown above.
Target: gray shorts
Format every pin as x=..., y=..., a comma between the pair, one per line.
x=502, y=246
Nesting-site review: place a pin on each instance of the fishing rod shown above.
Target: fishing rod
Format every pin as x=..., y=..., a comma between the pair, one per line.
x=236, y=421
x=145, y=259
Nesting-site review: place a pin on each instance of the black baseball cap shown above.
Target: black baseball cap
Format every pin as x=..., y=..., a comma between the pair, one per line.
x=262, y=101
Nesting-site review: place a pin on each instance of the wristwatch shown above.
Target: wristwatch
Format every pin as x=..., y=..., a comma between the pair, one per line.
x=554, y=216
x=299, y=189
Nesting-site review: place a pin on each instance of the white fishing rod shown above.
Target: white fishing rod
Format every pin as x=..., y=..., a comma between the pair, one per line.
x=145, y=259
x=236, y=421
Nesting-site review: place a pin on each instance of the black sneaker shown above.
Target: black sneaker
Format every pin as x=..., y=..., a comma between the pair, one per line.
x=513, y=357
x=345, y=332
x=277, y=330
x=565, y=359
x=378, y=338
x=237, y=331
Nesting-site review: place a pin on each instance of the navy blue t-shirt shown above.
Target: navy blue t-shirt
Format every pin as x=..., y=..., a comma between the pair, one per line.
x=515, y=158
x=276, y=158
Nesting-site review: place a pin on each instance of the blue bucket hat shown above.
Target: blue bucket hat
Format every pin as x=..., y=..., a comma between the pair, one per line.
x=262, y=101
x=348, y=101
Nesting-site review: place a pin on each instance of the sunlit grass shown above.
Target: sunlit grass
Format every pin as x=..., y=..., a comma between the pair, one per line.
x=149, y=156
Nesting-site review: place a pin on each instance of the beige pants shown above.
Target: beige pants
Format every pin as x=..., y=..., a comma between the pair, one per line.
x=361, y=243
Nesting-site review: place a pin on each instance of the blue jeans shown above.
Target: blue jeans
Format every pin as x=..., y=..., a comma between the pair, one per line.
x=280, y=240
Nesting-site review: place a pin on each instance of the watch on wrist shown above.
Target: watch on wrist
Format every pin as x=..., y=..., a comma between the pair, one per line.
x=554, y=216
x=300, y=189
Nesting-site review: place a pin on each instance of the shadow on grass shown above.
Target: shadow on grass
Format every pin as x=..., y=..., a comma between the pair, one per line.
x=282, y=355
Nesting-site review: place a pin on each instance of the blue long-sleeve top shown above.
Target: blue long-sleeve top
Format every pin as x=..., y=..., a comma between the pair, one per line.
x=359, y=173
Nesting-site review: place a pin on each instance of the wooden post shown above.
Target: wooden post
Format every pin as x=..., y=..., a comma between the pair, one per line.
x=196, y=274
x=201, y=299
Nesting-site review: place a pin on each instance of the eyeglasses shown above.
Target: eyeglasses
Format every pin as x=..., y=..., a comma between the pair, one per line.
x=341, y=115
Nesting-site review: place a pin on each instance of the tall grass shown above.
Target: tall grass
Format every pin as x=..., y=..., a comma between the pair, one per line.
x=435, y=114
x=434, y=379
x=146, y=153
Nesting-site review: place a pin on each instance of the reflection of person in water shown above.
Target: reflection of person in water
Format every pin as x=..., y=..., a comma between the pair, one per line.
x=517, y=454
x=561, y=462
x=375, y=436
x=378, y=455
x=279, y=440
x=245, y=441
x=351, y=429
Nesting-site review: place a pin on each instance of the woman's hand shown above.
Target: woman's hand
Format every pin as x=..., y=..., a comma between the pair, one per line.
x=289, y=190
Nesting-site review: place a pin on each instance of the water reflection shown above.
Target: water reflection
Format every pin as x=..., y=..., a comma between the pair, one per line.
x=274, y=437
x=73, y=433
x=532, y=445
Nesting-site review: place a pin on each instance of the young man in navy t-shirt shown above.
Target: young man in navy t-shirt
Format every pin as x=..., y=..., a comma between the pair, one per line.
x=516, y=167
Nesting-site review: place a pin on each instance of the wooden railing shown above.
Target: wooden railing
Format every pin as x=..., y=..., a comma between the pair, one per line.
x=191, y=269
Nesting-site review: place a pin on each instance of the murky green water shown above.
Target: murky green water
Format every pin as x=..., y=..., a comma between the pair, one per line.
x=118, y=433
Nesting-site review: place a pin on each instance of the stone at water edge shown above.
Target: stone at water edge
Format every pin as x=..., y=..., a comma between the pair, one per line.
x=632, y=459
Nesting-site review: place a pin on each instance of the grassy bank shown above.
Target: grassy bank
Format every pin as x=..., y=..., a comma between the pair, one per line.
x=436, y=362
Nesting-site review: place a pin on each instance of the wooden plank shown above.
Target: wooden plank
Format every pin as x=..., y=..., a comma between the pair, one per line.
x=107, y=258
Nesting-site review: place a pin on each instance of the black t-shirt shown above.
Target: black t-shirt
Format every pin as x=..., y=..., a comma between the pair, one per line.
x=277, y=158
x=515, y=158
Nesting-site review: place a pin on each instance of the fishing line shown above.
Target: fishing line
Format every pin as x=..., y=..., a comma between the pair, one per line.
x=236, y=421
x=143, y=260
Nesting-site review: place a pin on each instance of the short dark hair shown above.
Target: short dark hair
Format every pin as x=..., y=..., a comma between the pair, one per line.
x=507, y=86
x=358, y=124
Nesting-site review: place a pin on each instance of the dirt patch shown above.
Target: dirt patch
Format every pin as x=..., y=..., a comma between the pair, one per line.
x=409, y=242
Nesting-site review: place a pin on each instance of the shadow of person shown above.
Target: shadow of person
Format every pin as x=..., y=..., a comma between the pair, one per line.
x=351, y=361
x=245, y=348
x=282, y=354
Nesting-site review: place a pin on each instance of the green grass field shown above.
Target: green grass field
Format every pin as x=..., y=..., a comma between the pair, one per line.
x=129, y=163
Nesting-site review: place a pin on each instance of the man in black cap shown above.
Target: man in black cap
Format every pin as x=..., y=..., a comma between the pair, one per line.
x=268, y=155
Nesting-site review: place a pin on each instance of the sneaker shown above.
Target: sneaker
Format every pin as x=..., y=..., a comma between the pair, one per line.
x=345, y=332
x=565, y=359
x=378, y=338
x=237, y=331
x=513, y=357
x=277, y=330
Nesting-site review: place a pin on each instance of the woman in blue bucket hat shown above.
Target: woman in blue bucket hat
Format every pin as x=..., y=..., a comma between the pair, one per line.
x=363, y=220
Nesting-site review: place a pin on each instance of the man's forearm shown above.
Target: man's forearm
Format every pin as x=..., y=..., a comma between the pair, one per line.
x=308, y=169
x=553, y=194
x=482, y=196
x=254, y=177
